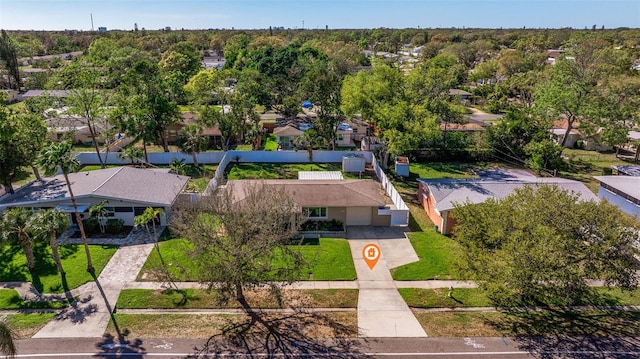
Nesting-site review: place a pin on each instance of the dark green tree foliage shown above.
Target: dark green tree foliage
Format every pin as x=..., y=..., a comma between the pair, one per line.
x=541, y=245
x=145, y=107
x=9, y=56
x=21, y=138
x=509, y=137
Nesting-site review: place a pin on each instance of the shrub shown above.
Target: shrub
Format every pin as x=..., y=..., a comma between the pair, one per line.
x=91, y=225
x=114, y=226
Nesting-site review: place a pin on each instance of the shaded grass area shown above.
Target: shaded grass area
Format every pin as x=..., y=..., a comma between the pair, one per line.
x=476, y=297
x=531, y=324
x=46, y=278
x=206, y=325
x=438, y=298
x=329, y=259
x=582, y=165
x=88, y=168
x=278, y=170
x=27, y=325
x=10, y=299
x=203, y=299
x=437, y=255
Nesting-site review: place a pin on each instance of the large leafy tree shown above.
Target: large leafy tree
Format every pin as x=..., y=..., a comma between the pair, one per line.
x=9, y=56
x=381, y=97
x=542, y=245
x=21, y=138
x=88, y=101
x=240, y=239
x=145, y=108
x=57, y=155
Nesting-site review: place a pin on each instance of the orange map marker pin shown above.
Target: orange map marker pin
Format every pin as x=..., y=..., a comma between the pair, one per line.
x=371, y=254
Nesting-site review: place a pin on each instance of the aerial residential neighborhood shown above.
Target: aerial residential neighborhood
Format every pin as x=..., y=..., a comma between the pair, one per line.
x=203, y=190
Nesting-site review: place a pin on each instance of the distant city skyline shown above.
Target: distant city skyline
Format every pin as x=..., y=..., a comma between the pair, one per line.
x=316, y=14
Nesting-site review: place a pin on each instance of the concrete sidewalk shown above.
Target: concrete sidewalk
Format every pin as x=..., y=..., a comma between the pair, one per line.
x=89, y=316
x=381, y=310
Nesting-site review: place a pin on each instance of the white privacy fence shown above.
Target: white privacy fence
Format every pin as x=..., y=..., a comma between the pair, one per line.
x=399, y=215
x=165, y=158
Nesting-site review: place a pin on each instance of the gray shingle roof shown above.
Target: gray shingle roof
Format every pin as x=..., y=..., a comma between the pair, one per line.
x=125, y=183
x=449, y=192
x=626, y=184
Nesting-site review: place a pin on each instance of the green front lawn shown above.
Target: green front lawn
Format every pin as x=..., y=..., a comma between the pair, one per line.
x=203, y=299
x=46, y=278
x=438, y=298
x=10, y=299
x=26, y=325
x=330, y=259
x=437, y=254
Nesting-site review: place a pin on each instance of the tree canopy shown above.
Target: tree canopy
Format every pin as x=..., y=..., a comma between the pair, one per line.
x=542, y=245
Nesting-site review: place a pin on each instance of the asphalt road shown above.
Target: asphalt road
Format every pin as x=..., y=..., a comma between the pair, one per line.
x=357, y=348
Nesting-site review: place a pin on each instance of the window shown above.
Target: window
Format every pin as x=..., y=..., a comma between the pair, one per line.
x=110, y=211
x=316, y=212
x=123, y=209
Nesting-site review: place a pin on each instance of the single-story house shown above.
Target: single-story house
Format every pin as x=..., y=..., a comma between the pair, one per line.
x=370, y=143
x=60, y=125
x=212, y=133
x=627, y=170
x=621, y=191
x=355, y=202
x=127, y=190
x=285, y=135
x=440, y=196
x=53, y=93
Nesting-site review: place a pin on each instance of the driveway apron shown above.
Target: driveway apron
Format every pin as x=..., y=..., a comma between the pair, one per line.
x=381, y=310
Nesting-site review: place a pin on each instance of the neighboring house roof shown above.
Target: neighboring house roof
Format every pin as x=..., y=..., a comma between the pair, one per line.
x=629, y=185
x=449, y=192
x=191, y=118
x=630, y=170
x=123, y=183
x=320, y=193
x=287, y=130
x=53, y=93
x=633, y=135
x=458, y=92
x=66, y=123
x=462, y=127
x=559, y=126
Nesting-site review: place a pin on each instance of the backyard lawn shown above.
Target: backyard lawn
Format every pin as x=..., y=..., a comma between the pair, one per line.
x=278, y=170
x=582, y=165
x=437, y=254
x=330, y=259
x=46, y=278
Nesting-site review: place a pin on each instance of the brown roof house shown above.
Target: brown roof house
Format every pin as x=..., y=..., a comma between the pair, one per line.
x=355, y=202
x=127, y=190
x=440, y=196
x=286, y=135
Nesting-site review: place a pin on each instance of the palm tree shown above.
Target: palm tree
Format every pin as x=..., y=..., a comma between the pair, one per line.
x=191, y=141
x=131, y=153
x=51, y=223
x=100, y=212
x=16, y=226
x=7, y=340
x=58, y=155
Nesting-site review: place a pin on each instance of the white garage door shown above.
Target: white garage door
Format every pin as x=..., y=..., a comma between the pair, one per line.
x=358, y=216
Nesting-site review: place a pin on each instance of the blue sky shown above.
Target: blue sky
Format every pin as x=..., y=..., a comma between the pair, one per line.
x=252, y=14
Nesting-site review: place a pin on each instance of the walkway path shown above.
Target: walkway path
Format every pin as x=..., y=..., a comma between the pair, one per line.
x=381, y=310
x=89, y=316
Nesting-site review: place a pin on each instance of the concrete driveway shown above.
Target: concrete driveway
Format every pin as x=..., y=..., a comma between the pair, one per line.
x=381, y=310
